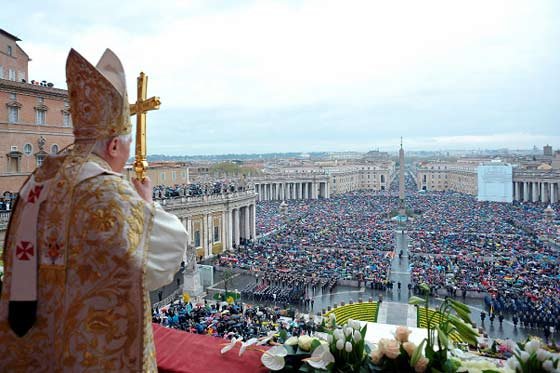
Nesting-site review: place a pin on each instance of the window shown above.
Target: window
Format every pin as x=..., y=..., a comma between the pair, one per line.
x=197, y=239
x=27, y=149
x=13, y=114
x=66, y=119
x=14, y=161
x=1, y=72
x=173, y=175
x=40, y=100
x=162, y=176
x=11, y=74
x=40, y=116
x=216, y=234
x=21, y=76
x=9, y=50
x=40, y=159
x=13, y=97
x=54, y=149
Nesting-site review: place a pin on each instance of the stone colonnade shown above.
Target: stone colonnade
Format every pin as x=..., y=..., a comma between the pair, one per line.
x=285, y=190
x=536, y=191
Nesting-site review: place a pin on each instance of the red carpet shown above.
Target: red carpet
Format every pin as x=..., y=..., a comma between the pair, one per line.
x=178, y=351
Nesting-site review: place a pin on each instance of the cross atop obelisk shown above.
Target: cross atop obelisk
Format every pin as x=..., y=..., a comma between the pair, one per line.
x=402, y=211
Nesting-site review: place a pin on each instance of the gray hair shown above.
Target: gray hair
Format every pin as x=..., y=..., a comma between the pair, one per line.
x=100, y=146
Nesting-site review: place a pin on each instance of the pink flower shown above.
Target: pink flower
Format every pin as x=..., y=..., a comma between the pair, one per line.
x=376, y=356
x=409, y=347
x=392, y=349
x=421, y=365
x=402, y=333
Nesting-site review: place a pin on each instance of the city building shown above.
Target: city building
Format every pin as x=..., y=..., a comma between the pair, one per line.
x=34, y=117
x=531, y=181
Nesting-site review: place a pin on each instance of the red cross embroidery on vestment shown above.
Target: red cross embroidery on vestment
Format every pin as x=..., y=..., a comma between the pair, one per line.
x=34, y=194
x=24, y=251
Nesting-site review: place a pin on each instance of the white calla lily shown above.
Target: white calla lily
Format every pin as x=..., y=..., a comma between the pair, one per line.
x=230, y=345
x=273, y=359
x=264, y=340
x=244, y=345
x=320, y=358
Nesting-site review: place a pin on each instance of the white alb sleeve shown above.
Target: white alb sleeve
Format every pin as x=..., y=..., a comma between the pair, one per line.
x=168, y=243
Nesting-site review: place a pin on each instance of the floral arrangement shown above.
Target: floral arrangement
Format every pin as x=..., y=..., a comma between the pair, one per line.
x=532, y=356
x=344, y=349
x=398, y=355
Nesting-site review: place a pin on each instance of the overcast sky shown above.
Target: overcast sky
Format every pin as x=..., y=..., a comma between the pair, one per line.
x=268, y=76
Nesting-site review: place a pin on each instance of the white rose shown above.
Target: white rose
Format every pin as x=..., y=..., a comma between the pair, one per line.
x=292, y=341
x=548, y=366
x=348, y=347
x=338, y=334
x=512, y=363
x=305, y=342
x=532, y=347
x=542, y=355
x=340, y=344
x=357, y=336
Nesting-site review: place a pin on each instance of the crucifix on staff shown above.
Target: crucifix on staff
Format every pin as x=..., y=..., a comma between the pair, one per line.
x=140, y=108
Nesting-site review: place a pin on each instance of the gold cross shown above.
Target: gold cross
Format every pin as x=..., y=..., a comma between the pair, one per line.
x=140, y=108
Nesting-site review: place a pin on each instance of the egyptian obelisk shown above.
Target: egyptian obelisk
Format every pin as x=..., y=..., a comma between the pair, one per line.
x=402, y=211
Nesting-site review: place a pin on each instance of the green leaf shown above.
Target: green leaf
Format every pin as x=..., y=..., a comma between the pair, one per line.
x=283, y=335
x=442, y=336
x=417, y=353
x=416, y=300
x=315, y=344
x=458, y=305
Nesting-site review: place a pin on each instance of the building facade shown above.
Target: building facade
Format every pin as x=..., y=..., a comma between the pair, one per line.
x=529, y=182
x=314, y=182
x=34, y=118
x=217, y=222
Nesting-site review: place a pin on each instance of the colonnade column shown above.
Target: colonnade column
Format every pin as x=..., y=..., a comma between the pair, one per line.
x=229, y=224
x=525, y=191
x=254, y=221
x=236, y=227
x=204, y=234
x=516, y=191
x=534, y=187
x=543, y=192
x=552, y=193
x=247, y=223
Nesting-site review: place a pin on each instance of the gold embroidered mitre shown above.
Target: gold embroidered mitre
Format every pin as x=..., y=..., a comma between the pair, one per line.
x=98, y=98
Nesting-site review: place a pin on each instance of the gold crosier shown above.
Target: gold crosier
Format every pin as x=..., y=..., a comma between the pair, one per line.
x=140, y=108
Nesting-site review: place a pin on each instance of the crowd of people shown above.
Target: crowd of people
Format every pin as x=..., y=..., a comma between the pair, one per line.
x=198, y=189
x=7, y=200
x=227, y=321
x=458, y=245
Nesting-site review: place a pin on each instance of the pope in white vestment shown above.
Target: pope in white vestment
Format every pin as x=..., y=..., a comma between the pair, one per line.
x=84, y=247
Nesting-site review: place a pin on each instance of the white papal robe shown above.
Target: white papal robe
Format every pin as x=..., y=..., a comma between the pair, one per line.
x=100, y=249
